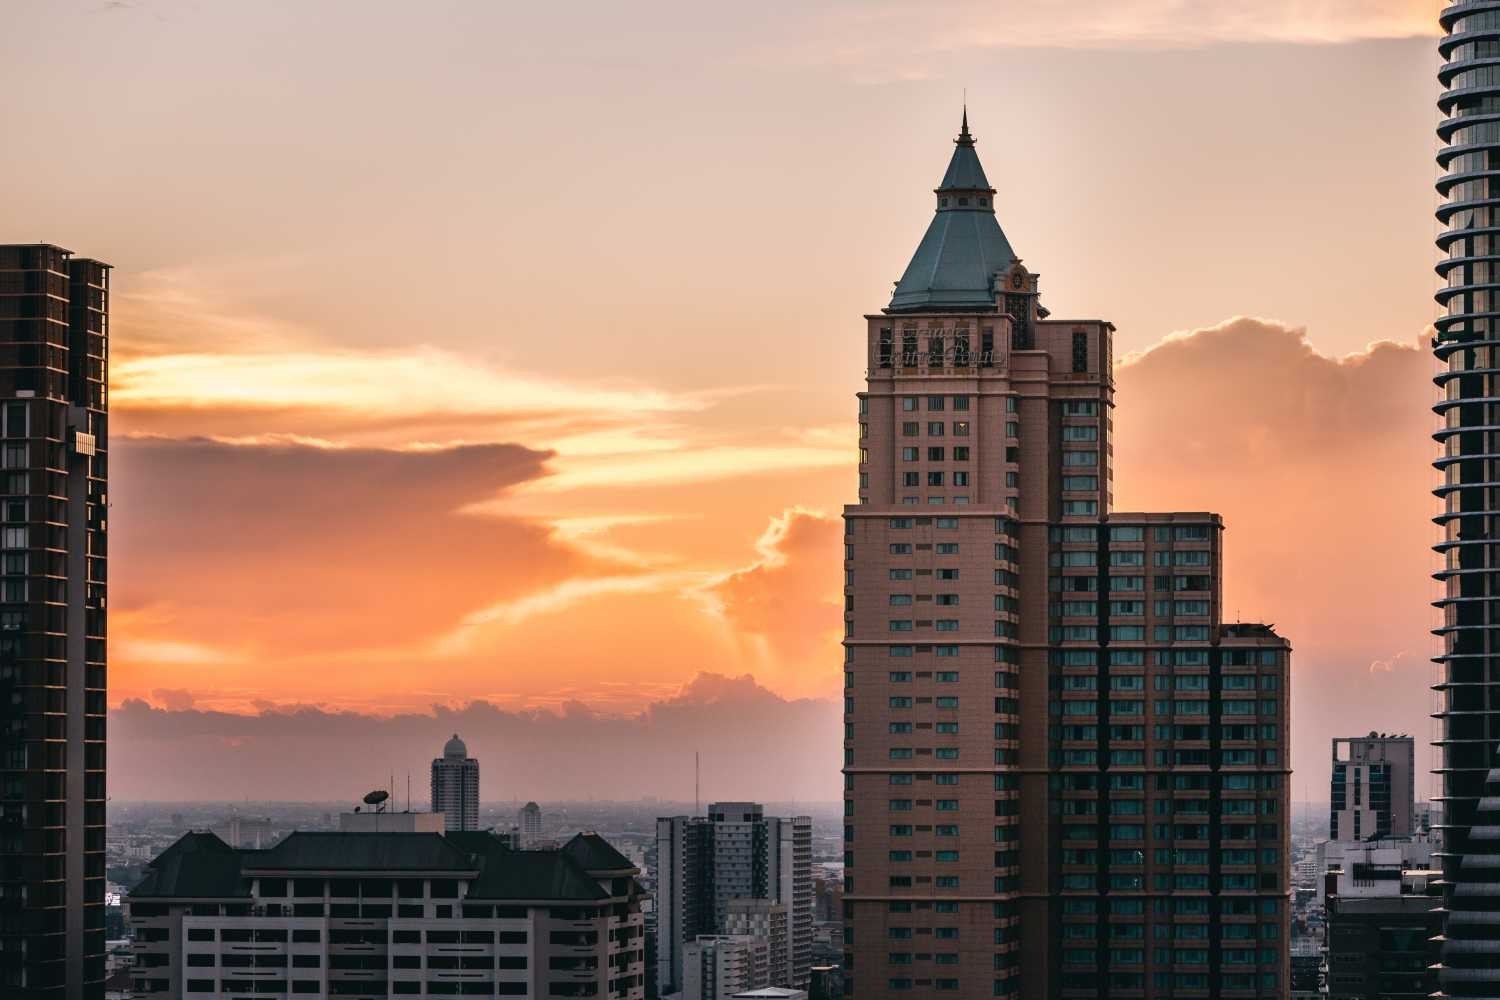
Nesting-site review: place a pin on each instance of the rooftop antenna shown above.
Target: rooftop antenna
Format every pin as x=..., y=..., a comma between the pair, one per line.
x=697, y=799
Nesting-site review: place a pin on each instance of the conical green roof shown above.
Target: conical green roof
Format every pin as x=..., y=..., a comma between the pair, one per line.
x=955, y=264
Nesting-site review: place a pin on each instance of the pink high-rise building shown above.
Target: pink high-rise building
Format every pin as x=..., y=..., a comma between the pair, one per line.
x=1064, y=775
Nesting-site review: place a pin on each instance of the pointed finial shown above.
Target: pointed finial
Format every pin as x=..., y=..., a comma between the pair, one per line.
x=964, y=138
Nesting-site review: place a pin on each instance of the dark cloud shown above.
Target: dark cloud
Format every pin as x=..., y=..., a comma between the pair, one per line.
x=283, y=548
x=753, y=744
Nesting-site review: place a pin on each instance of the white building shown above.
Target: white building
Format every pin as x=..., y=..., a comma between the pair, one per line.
x=529, y=822
x=455, y=786
x=1410, y=854
x=716, y=967
x=325, y=915
x=392, y=822
x=735, y=852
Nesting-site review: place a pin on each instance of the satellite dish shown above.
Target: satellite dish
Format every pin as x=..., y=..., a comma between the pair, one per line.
x=377, y=797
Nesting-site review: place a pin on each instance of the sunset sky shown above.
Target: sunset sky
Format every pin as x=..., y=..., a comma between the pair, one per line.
x=503, y=353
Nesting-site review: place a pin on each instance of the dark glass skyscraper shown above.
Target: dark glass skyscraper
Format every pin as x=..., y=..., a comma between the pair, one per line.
x=1468, y=346
x=54, y=311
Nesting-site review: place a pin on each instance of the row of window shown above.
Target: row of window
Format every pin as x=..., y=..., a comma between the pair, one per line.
x=1169, y=856
x=1090, y=584
x=1134, y=533
x=398, y=988
x=1164, y=657
x=1171, y=932
x=906, y=574
x=1165, y=782
x=1169, y=682
x=935, y=428
x=1127, y=609
x=1078, y=882
x=1172, y=956
x=1163, y=707
x=1002, y=654
x=1132, y=557
x=1166, y=758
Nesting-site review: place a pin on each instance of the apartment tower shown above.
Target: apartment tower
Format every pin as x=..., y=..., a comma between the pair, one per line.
x=1370, y=790
x=712, y=869
x=455, y=786
x=54, y=314
x=1466, y=344
x=1064, y=775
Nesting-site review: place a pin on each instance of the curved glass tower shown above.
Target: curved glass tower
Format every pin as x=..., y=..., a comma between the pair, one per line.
x=1468, y=346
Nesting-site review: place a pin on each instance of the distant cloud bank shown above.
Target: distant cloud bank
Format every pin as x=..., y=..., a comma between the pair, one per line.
x=753, y=744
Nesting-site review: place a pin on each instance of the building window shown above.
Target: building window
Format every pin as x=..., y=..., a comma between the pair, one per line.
x=1080, y=352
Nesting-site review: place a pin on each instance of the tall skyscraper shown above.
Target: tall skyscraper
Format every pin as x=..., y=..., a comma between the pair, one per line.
x=1370, y=792
x=1064, y=775
x=736, y=852
x=455, y=786
x=54, y=316
x=1466, y=344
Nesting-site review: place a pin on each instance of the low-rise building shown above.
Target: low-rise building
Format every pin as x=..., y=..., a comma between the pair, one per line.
x=1381, y=921
x=379, y=915
x=722, y=966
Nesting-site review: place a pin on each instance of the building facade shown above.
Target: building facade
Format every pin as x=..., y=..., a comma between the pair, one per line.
x=706, y=865
x=1467, y=346
x=54, y=330
x=455, y=786
x=529, y=823
x=1382, y=918
x=383, y=915
x=1065, y=775
x=1371, y=795
x=716, y=967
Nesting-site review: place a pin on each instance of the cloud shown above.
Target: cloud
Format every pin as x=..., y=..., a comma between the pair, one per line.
x=1321, y=467
x=787, y=597
x=174, y=700
x=421, y=381
x=891, y=40
x=754, y=744
x=271, y=553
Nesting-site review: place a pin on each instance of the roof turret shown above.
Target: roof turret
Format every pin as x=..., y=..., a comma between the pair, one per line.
x=956, y=262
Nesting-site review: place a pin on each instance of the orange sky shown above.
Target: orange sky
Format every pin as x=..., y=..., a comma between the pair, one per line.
x=477, y=356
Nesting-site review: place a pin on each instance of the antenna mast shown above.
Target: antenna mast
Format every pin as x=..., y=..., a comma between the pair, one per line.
x=697, y=799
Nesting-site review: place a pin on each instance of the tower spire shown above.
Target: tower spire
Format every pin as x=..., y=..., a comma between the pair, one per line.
x=964, y=138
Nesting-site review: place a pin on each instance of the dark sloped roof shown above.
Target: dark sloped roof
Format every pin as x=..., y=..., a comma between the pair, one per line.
x=593, y=853
x=200, y=865
x=197, y=866
x=480, y=842
x=534, y=875
x=362, y=852
x=955, y=263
